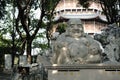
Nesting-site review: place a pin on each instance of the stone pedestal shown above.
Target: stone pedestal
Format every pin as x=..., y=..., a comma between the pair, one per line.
x=8, y=61
x=84, y=75
x=84, y=72
x=23, y=60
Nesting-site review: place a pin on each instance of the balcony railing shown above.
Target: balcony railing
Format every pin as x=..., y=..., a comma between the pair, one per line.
x=76, y=11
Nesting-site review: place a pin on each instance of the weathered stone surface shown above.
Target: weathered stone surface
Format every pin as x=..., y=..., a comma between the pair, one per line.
x=76, y=47
x=84, y=75
x=110, y=39
x=84, y=72
x=43, y=60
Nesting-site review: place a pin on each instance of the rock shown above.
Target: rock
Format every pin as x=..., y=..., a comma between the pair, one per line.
x=110, y=39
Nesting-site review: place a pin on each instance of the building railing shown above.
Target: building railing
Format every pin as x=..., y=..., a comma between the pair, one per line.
x=77, y=11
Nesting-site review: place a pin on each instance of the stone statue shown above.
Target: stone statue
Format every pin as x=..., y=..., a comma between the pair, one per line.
x=76, y=47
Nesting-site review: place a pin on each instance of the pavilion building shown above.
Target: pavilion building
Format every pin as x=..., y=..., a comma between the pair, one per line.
x=92, y=17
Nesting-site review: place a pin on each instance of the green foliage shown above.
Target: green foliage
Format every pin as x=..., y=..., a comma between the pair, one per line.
x=6, y=45
x=6, y=48
x=26, y=26
x=2, y=8
x=110, y=9
x=49, y=8
x=84, y=3
x=61, y=27
x=4, y=42
x=6, y=22
x=3, y=4
x=43, y=46
x=40, y=41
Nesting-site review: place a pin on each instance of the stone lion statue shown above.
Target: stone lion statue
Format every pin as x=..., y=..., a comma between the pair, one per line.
x=76, y=47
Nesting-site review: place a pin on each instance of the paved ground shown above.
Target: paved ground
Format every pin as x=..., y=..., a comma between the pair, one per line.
x=5, y=75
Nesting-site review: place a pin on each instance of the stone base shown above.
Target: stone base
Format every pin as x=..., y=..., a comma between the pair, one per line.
x=84, y=75
x=84, y=72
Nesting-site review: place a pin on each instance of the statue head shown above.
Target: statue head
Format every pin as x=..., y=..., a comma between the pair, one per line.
x=75, y=28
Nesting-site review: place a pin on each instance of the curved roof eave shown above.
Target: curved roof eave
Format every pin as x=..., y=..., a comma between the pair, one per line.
x=82, y=16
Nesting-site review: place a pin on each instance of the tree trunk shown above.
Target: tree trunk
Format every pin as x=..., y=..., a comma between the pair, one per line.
x=48, y=36
x=13, y=48
x=28, y=50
